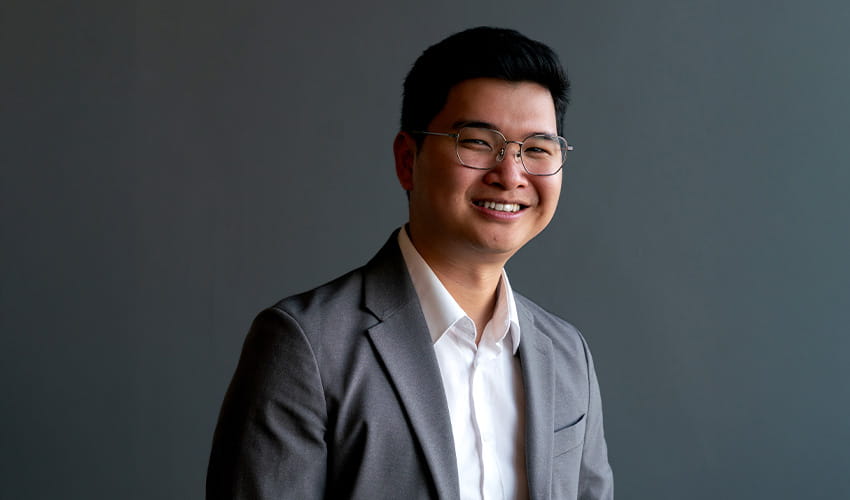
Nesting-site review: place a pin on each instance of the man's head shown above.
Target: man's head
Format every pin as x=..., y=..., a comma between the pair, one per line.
x=487, y=81
x=482, y=52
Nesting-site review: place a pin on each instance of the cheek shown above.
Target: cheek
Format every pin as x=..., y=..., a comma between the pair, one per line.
x=431, y=170
x=550, y=192
x=445, y=181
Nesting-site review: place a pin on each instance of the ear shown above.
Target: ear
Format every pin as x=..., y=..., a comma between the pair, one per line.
x=404, y=151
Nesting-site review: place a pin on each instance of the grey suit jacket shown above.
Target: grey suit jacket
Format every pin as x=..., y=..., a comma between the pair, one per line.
x=338, y=395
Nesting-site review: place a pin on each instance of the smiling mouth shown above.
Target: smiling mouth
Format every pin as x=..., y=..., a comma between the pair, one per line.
x=499, y=207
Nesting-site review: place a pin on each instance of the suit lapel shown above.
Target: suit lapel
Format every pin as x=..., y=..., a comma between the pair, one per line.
x=404, y=346
x=538, y=376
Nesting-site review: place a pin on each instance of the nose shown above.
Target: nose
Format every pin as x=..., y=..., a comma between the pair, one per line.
x=507, y=174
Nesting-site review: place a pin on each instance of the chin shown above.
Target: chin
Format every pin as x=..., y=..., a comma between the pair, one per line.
x=501, y=247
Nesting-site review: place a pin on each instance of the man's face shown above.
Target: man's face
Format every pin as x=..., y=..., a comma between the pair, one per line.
x=449, y=216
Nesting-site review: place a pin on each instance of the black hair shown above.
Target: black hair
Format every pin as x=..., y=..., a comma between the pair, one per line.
x=482, y=52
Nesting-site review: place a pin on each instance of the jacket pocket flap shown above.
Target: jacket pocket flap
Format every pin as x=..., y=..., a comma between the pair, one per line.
x=568, y=437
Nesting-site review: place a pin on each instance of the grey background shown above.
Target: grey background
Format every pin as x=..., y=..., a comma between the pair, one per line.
x=169, y=168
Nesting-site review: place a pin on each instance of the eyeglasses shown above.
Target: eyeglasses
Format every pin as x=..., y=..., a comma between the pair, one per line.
x=484, y=148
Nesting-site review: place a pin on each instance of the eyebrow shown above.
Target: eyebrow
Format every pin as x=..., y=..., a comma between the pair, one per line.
x=474, y=124
x=479, y=124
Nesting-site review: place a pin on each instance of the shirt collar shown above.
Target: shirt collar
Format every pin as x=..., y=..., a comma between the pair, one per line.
x=440, y=309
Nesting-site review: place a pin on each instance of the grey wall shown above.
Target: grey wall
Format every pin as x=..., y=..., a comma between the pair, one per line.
x=169, y=168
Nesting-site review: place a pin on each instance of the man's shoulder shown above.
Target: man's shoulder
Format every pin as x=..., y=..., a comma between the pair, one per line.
x=543, y=317
x=328, y=307
x=563, y=334
x=322, y=321
x=342, y=289
x=361, y=291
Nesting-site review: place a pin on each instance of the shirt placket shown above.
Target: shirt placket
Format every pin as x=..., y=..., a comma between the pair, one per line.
x=491, y=484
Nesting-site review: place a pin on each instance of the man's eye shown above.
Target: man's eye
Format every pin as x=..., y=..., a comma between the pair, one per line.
x=477, y=144
x=538, y=152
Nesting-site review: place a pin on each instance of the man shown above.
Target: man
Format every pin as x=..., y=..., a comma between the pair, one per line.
x=422, y=374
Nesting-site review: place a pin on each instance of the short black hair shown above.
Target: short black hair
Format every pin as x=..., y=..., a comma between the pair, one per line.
x=483, y=52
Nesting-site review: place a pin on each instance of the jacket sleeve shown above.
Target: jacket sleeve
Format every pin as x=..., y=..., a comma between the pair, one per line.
x=596, y=480
x=270, y=437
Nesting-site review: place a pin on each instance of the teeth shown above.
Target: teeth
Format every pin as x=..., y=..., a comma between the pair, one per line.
x=500, y=207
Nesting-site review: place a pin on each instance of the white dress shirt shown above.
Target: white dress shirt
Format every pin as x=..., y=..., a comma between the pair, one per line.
x=483, y=384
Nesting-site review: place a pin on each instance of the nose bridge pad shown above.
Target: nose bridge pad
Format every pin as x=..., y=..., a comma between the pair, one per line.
x=504, y=150
x=518, y=155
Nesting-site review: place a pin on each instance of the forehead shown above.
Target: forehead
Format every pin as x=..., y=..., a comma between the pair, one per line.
x=512, y=107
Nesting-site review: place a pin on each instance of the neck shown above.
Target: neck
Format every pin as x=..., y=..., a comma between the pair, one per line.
x=472, y=282
x=475, y=293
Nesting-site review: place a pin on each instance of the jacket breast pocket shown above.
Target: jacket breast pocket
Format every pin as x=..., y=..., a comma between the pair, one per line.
x=568, y=438
x=566, y=459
